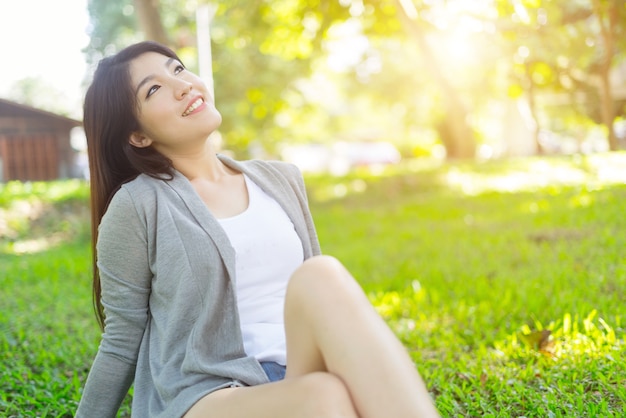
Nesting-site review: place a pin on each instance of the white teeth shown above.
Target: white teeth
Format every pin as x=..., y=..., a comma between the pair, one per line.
x=193, y=106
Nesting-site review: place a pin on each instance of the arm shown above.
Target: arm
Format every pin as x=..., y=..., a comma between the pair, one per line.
x=125, y=279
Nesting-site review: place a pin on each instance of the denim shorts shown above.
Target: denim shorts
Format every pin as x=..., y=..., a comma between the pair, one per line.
x=273, y=370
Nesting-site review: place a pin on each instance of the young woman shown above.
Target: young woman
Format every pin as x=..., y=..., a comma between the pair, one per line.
x=208, y=278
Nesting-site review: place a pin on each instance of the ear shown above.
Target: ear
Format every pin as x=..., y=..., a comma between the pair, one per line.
x=139, y=140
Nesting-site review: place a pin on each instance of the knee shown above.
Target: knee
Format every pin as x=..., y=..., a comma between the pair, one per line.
x=321, y=270
x=326, y=395
x=320, y=282
x=321, y=263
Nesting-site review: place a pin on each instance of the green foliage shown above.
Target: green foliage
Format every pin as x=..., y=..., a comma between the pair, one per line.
x=268, y=58
x=503, y=279
x=556, y=48
x=37, y=92
x=38, y=214
x=55, y=192
x=114, y=26
x=259, y=50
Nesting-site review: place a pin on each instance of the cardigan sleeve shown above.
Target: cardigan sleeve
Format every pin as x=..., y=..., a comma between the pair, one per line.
x=122, y=253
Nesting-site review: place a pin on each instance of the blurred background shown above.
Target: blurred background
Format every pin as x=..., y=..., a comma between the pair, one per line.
x=464, y=158
x=336, y=84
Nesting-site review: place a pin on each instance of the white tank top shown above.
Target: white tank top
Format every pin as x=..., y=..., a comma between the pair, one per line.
x=268, y=251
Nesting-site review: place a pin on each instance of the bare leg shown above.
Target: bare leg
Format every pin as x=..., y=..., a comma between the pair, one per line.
x=343, y=360
x=331, y=325
x=315, y=395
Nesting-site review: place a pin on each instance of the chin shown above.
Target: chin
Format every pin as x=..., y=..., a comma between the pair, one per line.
x=216, y=120
x=213, y=123
x=211, y=116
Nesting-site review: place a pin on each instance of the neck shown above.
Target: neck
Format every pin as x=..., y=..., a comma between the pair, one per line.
x=201, y=164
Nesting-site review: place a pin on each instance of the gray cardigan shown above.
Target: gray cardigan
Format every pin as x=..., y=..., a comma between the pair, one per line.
x=167, y=271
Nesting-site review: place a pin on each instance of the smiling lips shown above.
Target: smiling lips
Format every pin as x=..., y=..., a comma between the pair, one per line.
x=193, y=106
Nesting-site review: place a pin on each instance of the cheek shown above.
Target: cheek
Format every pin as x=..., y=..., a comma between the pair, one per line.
x=153, y=116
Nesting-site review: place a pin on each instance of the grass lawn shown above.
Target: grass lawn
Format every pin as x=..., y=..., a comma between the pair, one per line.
x=505, y=280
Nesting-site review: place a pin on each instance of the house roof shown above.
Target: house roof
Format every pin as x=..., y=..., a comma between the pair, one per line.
x=9, y=108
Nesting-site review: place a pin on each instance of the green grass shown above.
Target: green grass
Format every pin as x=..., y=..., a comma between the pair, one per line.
x=468, y=263
x=48, y=336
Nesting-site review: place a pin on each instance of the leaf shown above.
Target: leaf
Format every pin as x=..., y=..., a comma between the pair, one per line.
x=540, y=341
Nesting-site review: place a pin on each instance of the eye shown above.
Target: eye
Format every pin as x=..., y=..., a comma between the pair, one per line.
x=152, y=90
x=179, y=69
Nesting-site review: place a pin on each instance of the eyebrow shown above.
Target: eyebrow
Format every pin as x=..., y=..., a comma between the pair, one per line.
x=150, y=77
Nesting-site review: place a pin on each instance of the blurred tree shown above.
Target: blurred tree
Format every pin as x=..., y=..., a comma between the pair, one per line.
x=456, y=134
x=399, y=81
x=410, y=67
x=412, y=62
x=113, y=26
x=37, y=92
x=565, y=48
x=610, y=16
x=150, y=20
x=284, y=38
x=260, y=49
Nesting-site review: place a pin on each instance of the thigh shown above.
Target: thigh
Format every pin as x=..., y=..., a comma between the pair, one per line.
x=321, y=301
x=313, y=395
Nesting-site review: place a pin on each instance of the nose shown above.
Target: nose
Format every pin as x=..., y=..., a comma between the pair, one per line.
x=182, y=89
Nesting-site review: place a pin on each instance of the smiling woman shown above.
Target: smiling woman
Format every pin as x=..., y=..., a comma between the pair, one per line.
x=208, y=276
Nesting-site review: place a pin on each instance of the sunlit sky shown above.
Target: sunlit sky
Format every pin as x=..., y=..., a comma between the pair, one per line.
x=43, y=39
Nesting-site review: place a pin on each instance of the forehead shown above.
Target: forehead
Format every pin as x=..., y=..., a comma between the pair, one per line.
x=147, y=64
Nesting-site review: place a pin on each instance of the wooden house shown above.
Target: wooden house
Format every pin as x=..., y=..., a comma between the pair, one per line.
x=34, y=144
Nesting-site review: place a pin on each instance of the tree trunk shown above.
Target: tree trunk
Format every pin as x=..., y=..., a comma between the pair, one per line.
x=607, y=109
x=533, y=109
x=456, y=135
x=150, y=20
x=608, y=32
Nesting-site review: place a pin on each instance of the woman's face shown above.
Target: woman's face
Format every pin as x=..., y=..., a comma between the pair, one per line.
x=175, y=109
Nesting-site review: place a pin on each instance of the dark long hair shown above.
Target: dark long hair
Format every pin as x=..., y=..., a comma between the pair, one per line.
x=109, y=119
